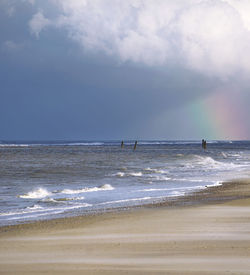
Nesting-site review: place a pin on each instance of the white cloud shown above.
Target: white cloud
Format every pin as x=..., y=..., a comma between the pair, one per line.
x=209, y=36
x=11, y=46
x=38, y=23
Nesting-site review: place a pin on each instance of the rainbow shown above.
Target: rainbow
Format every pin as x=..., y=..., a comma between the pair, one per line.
x=219, y=116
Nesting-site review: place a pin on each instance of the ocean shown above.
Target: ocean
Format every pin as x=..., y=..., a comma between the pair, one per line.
x=46, y=180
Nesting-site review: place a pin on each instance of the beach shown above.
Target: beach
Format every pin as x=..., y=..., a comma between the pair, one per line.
x=207, y=232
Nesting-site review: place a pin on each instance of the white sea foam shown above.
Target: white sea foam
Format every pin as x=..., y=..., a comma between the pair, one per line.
x=51, y=200
x=37, y=210
x=105, y=187
x=149, y=169
x=217, y=183
x=209, y=163
x=177, y=194
x=36, y=194
x=27, y=210
x=125, y=200
x=119, y=174
x=189, y=180
x=84, y=144
x=63, y=200
x=14, y=145
x=35, y=207
x=138, y=199
x=77, y=198
x=52, y=144
x=133, y=174
x=136, y=174
x=189, y=188
x=160, y=178
x=170, y=189
x=157, y=171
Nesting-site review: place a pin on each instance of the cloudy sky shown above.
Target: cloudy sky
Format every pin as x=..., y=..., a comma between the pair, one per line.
x=115, y=69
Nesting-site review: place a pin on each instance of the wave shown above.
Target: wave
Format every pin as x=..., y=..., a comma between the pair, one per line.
x=119, y=174
x=36, y=194
x=84, y=144
x=158, y=171
x=208, y=163
x=125, y=200
x=62, y=200
x=217, y=183
x=159, y=178
x=27, y=210
x=171, y=189
x=105, y=187
x=14, y=145
x=189, y=180
x=140, y=174
x=42, y=193
x=135, y=174
x=52, y=144
x=175, y=193
x=37, y=210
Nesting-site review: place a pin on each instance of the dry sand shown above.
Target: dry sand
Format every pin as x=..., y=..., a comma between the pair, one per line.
x=207, y=233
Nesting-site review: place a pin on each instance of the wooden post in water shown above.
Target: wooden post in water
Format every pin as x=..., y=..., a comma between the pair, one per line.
x=122, y=144
x=135, y=145
x=204, y=144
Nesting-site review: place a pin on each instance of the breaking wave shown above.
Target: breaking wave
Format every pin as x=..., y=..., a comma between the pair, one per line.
x=208, y=163
x=36, y=194
x=135, y=174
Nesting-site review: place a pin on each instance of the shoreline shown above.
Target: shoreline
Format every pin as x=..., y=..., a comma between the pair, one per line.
x=205, y=233
x=211, y=195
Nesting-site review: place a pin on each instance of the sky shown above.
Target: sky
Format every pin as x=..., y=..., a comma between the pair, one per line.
x=115, y=69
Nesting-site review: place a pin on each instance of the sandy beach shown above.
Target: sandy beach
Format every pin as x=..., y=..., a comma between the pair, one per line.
x=204, y=233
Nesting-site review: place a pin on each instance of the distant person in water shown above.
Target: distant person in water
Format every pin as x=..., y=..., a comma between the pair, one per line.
x=122, y=144
x=135, y=145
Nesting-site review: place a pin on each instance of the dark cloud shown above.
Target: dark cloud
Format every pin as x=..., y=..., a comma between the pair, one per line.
x=53, y=88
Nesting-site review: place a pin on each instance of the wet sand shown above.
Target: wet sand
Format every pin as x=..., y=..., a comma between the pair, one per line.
x=204, y=233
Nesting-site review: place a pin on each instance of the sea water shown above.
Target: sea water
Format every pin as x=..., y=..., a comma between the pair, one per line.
x=60, y=179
